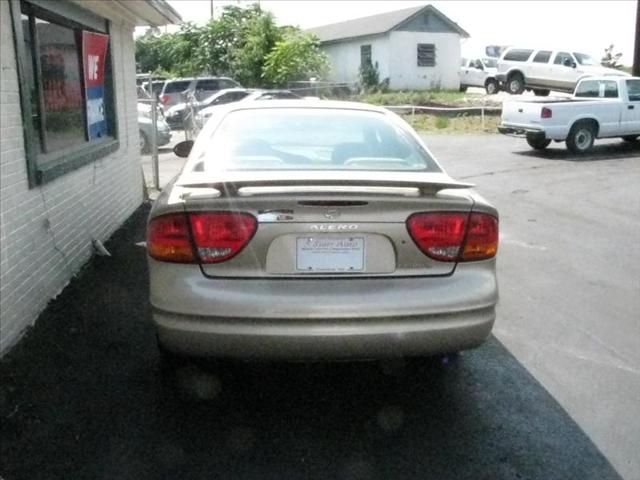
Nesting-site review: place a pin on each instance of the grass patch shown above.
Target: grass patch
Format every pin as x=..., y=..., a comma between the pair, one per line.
x=442, y=122
x=463, y=123
x=413, y=97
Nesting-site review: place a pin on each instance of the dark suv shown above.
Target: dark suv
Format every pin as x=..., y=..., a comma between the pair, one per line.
x=177, y=90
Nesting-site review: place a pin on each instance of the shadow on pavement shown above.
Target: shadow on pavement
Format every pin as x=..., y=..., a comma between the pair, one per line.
x=81, y=397
x=608, y=151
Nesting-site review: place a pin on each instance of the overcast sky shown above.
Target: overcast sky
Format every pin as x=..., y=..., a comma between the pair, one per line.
x=582, y=25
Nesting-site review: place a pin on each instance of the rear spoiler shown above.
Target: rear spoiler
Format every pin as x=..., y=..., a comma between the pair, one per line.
x=317, y=182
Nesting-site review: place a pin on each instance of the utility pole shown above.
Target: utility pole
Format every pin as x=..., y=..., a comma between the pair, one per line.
x=211, y=9
x=636, y=54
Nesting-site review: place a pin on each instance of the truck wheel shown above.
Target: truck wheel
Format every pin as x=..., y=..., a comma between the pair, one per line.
x=541, y=92
x=581, y=137
x=491, y=86
x=537, y=143
x=630, y=138
x=463, y=88
x=515, y=83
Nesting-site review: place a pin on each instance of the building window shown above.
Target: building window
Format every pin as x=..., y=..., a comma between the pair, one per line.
x=67, y=87
x=426, y=55
x=365, y=56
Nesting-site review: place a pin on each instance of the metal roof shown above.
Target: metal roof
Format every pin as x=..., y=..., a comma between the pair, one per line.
x=377, y=24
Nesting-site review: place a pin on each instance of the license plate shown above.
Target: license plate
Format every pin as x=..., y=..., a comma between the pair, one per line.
x=333, y=254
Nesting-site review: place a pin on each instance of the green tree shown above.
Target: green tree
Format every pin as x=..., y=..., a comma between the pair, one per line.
x=218, y=39
x=296, y=57
x=240, y=43
x=248, y=56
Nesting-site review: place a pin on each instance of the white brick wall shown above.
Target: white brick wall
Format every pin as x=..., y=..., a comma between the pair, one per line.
x=46, y=232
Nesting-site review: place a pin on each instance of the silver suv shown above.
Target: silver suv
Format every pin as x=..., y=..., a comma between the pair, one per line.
x=522, y=69
x=177, y=90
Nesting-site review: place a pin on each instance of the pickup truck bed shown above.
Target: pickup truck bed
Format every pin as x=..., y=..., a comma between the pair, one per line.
x=602, y=107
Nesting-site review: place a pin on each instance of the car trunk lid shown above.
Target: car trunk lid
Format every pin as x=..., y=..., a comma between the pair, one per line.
x=316, y=225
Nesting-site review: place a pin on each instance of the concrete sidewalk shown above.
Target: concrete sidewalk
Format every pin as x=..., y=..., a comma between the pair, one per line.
x=81, y=397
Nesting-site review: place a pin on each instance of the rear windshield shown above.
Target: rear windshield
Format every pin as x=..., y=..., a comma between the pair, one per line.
x=312, y=139
x=174, y=87
x=597, y=89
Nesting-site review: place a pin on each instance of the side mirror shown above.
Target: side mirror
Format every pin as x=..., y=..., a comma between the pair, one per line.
x=183, y=148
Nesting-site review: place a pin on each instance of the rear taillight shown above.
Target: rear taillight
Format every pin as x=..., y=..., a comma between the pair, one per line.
x=546, y=113
x=454, y=236
x=168, y=239
x=164, y=99
x=438, y=235
x=219, y=236
x=481, y=241
x=216, y=236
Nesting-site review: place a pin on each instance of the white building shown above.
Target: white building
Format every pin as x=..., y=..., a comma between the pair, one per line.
x=415, y=48
x=64, y=181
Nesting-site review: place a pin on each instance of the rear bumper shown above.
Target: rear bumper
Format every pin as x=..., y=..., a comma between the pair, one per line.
x=521, y=131
x=317, y=318
x=324, y=338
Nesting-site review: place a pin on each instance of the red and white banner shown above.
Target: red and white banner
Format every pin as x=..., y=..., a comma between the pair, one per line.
x=94, y=53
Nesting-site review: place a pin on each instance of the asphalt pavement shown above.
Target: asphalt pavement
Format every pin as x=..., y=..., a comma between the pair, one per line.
x=552, y=395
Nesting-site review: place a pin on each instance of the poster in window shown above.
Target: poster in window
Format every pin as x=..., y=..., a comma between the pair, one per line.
x=94, y=52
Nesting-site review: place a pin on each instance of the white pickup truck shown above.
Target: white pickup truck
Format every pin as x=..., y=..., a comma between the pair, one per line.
x=601, y=107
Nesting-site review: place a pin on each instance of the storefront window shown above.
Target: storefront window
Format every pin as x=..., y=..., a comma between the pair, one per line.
x=59, y=58
x=67, y=87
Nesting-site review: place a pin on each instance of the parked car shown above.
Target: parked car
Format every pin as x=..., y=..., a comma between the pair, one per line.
x=601, y=107
x=176, y=90
x=176, y=114
x=320, y=230
x=145, y=127
x=252, y=96
x=479, y=72
x=545, y=70
x=157, y=83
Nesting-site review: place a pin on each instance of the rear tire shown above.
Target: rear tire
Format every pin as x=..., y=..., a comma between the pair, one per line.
x=581, y=137
x=537, y=143
x=541, y=92
x=463, y=88
x=491, y=86
x=515, y=83
x=630, y=138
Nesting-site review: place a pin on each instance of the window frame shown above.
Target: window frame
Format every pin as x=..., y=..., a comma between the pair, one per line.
x=548, y=53
x=601, y=88
x=366, y=55
x=44, y=167
x=519, y=54
x=557, y=55
x=426, y=45
x=636, y=97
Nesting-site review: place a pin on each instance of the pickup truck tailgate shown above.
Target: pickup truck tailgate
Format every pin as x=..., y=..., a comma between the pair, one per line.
x=521, y=113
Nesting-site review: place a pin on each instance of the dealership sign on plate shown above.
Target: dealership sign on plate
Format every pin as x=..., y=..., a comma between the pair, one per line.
x=94, y=52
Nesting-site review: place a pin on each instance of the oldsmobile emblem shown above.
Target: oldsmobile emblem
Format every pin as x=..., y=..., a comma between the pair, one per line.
x=332, y=213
